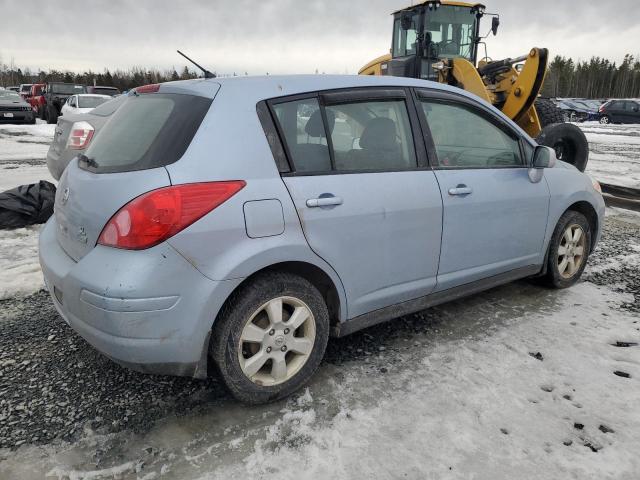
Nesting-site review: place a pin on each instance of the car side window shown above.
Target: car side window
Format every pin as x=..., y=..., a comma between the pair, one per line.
x=302, y=125
x=371, y=136
x=466, y=139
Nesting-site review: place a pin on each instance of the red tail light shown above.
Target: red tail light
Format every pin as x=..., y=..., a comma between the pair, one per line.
x=601, y=109
x=158, y=215
x=152, y=88
x=81, y=135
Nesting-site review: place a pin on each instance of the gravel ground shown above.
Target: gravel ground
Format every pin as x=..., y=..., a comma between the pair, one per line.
x=53, y=385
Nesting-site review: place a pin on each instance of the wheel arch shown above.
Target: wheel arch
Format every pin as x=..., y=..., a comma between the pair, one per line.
x=586, y=209
x=319, y=278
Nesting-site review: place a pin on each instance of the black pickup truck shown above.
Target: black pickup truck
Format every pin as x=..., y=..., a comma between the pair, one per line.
x=55, y=95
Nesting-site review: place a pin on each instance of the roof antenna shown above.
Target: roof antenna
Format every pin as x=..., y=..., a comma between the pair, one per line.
x=207, y=73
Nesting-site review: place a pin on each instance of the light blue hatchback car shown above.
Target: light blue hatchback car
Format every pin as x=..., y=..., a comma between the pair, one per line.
x=245, y=220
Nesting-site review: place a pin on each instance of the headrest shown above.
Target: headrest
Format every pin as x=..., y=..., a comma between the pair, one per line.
x=379, y=133
x=315, y=127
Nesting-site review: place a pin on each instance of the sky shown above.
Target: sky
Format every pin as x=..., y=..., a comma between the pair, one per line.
x=283, y=36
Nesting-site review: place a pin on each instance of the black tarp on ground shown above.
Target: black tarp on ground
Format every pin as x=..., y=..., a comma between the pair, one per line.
x=27, y=205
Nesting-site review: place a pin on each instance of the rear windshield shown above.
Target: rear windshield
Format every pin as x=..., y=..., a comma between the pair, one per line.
x=90, y=102
x=108, y=107
x=147, y=131
x=105, y=91
x=67, y=88
x=25, y=88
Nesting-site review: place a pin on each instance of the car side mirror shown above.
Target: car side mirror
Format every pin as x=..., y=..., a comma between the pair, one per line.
x=495, y=23
x=543, y=157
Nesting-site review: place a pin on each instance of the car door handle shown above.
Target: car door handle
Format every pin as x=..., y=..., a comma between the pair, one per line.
x=460, y=190
x=323, y=202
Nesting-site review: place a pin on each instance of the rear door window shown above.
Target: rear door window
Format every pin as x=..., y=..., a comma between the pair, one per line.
x=147, y=131
x=303, y=129
x=371, y=136
x=347, y=136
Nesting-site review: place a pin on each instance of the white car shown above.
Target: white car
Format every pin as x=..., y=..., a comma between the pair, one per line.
x=83, y=103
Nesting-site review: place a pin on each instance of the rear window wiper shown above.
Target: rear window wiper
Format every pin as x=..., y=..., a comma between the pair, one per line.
x=89, y=162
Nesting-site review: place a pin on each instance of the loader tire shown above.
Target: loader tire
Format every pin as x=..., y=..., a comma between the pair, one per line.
x=568, y=141
x=548, y=112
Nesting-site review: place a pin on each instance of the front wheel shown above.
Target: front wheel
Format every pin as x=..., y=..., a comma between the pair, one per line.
x=568, y=250
x=605, y=120
x=270, y=337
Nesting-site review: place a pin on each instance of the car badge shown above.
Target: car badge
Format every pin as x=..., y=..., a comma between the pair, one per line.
x=65, y=196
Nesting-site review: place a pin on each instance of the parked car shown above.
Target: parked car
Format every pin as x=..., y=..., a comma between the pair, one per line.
x=577, y=110
x=200, y=223
x=52, y=96
x=13, y=108
x=620, y=111
x=83, y=103
x=74, y=132
x=24, y=89
x=111, y=91
x=36, y=99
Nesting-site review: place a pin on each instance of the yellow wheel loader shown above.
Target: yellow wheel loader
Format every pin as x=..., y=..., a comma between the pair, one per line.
x=439, y=40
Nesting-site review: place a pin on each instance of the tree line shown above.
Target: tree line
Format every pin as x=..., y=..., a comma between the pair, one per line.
x=596, y=78
x=121, y=79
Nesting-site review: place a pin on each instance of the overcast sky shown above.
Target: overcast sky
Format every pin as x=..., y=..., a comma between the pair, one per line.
x=283, y=36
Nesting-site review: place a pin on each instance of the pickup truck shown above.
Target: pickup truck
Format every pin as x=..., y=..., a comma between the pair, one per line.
x=35, y=98
x=47, y=99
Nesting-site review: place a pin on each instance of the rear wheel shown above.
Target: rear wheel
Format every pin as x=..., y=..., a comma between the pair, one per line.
x=568, y=250
x=270, y=337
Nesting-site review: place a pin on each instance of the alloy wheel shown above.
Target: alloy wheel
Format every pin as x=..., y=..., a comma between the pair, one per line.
x=277, y=341
x=571, y=251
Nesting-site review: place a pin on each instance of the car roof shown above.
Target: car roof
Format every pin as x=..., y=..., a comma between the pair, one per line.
x=253, y=89
x=98, y=95
x=271, y=86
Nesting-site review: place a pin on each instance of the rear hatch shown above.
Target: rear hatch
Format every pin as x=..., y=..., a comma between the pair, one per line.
x=62, y=131
x=125, y=160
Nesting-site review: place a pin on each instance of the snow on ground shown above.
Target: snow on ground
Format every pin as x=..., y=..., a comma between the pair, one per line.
x=443, y=406
x=19, y=268
x=23, y=151
x=25, y=142
x=614, y=153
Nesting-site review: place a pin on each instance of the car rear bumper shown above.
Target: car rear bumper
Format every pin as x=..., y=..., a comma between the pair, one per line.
x=57, y=162
x=148, y=310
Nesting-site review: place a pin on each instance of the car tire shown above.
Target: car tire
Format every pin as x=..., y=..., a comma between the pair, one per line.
x=605, y=120
x=52, y=114
x=569, y=250
x=250, y=341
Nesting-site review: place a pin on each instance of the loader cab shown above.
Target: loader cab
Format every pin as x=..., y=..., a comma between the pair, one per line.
x=433, y=31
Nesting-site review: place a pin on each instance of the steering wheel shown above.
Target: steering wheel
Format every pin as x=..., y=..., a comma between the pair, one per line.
x=444, y=47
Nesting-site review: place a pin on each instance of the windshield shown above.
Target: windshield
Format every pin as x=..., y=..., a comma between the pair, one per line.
x=67, y=88
x=91, y=101
x=9, y=95
x=25, y=88
x=452, y=30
